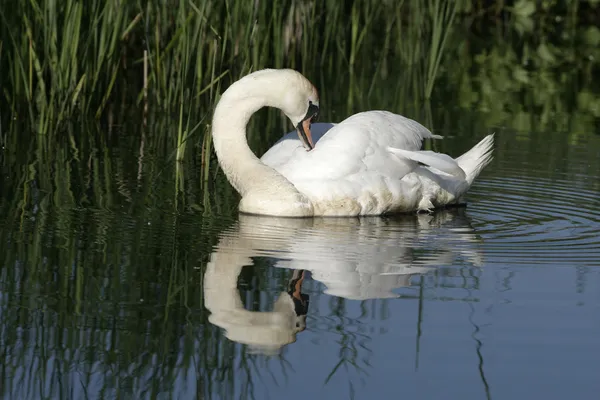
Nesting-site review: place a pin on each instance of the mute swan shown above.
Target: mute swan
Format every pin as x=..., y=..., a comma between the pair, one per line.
x=354, y=258
x=368, y=164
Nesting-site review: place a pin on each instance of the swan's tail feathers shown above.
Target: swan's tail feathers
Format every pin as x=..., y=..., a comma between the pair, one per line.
x=436, y=136
x=476, y=159
x=439, y=161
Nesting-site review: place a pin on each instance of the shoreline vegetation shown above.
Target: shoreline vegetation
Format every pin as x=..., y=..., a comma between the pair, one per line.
x=61, y=59
x=80, y=81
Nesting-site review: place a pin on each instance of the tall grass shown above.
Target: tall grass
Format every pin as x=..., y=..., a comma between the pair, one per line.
x=148, y=74
x=153, y=71
x=61, y=59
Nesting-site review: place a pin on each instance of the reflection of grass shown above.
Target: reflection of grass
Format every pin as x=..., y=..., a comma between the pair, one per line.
x=103, y=277
x=353, y=337
x=110, y=301
x=94, y=299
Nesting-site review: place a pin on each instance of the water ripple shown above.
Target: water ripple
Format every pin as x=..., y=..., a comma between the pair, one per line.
x=537, y=220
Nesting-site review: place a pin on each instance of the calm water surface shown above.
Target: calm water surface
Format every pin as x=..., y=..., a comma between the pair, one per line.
x=137, y=300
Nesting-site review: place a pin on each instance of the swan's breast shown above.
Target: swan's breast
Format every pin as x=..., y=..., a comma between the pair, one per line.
x=357, y=197
x=337, y=207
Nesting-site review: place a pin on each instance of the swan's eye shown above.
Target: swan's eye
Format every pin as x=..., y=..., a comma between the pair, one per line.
x=313, y=112
x=315, y=118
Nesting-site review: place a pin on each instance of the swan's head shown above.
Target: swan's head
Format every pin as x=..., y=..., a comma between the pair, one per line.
x=285, y=89
x=300, y=104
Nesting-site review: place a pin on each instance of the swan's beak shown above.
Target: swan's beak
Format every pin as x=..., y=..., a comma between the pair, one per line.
x=300, y=299
x=304, y=134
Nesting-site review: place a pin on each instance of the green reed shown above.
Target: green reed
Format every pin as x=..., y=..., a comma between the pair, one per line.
x=61, y=59
x=150, y=73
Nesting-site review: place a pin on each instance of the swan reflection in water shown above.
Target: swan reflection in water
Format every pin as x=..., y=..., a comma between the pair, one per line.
x=355, y=258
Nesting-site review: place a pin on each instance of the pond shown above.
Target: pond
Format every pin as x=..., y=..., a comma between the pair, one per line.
x=122, y=288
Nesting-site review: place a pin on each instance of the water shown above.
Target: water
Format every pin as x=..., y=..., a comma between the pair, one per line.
x=134, y=284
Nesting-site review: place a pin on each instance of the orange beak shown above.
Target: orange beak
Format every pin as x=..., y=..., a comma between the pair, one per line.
x=305, y=135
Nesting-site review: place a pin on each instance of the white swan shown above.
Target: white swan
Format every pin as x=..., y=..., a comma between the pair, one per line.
x=369, y=164
x=355, y=258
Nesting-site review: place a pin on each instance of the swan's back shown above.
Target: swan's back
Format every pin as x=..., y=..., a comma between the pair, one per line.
x=356, y=145
x=380, y=128
x=371, y=164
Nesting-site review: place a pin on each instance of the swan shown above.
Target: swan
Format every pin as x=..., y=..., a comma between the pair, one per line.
x=368, y=164
x=354, y=258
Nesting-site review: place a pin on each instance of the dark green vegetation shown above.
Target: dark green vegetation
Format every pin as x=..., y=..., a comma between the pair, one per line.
x=77, y=80
x=169, y=60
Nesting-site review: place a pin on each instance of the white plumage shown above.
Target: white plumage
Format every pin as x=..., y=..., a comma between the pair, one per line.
x=368, y=164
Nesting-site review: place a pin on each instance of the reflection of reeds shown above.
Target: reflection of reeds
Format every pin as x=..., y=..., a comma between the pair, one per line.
x=108, y=302
x=97, y=300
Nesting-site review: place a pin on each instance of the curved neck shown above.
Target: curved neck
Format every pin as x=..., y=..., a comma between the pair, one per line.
x=243, y=169
x=267, y=330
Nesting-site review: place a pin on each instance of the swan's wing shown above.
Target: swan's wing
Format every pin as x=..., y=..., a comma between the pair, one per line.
x=358, y=145
x=439, y=161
